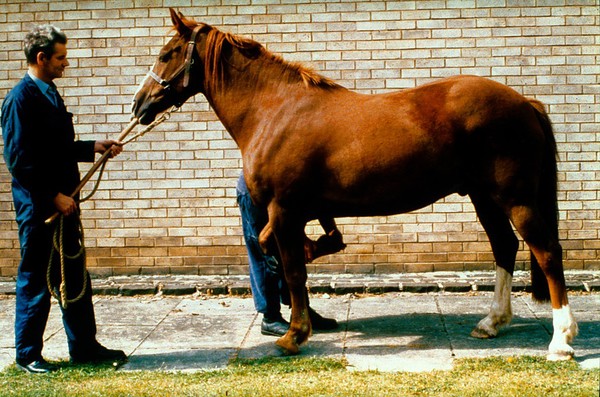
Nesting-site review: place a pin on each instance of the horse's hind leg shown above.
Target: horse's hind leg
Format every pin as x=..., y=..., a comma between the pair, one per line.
x=504, y=246
x=548, y=253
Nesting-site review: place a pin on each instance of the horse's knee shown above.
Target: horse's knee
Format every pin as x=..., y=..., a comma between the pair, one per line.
x=265, y=238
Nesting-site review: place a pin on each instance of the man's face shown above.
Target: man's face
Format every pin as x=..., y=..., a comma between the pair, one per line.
x=53, y=67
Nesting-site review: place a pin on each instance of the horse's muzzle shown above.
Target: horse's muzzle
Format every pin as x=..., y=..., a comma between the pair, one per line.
x=142, y=111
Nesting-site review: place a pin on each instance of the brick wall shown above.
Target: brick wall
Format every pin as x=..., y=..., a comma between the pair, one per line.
x=167, y=204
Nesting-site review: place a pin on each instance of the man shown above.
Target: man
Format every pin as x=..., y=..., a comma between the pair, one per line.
x=41, y=154
x=268, y=285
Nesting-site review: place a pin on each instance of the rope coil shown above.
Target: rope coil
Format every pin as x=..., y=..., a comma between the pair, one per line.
x=58, y=233
x=58, y=247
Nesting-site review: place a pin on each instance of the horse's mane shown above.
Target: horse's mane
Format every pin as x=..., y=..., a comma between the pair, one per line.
x=214, y=62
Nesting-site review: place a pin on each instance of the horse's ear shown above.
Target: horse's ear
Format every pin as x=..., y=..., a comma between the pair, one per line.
x=177, y=19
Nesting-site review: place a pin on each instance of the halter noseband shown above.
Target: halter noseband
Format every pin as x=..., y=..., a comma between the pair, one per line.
x=185, y=67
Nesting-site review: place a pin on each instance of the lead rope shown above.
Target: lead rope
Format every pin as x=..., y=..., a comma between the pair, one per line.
x=58, y=247
x=57, y=236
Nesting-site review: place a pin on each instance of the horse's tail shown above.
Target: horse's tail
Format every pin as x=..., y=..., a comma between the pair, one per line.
x=547, y=199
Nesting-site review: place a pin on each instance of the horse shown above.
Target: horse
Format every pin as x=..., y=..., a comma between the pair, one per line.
x=312, y=149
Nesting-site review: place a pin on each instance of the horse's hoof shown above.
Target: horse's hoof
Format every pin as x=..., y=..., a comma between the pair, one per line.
x=560, y=356
x=482, y=333
x=560, y=352
x=287, y=347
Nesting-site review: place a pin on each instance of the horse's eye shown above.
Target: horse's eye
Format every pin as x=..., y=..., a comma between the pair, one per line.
x=164, y=57
x=167, y=55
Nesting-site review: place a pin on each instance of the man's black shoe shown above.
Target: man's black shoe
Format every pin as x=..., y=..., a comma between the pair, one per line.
x=99, y=355
x=274, y=327
x=320, y=323
x=40, y=366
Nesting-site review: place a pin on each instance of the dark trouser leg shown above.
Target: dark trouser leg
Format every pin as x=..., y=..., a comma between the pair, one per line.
x=78, y=317
x=265, y=280
x=31, y=315
x=32, y=296
x=80, y=322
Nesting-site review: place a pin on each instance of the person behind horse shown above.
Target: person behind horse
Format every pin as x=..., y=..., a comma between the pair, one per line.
x=269, y=289
x=41, y=154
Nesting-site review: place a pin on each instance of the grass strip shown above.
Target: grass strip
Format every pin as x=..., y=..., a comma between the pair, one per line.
x=496, y=376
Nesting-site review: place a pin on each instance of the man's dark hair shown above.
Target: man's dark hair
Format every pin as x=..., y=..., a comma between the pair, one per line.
x=42, y=39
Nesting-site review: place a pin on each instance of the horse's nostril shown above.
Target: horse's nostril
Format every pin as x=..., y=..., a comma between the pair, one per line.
x=135, y=106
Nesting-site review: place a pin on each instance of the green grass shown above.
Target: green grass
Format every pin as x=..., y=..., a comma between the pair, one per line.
x=522, y=376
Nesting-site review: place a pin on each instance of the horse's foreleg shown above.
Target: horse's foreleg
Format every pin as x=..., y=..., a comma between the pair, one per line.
x=295, y=276
x=504, y=246
x=290, y=240
x=265, y=237
x=329, y=243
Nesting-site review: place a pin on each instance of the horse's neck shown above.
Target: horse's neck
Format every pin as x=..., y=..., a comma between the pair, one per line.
x=232, y=111
x=243, y=98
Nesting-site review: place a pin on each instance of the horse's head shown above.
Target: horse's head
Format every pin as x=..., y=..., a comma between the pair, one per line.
x=176, y=75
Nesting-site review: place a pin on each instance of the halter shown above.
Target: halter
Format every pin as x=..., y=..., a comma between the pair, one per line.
x=185, y=67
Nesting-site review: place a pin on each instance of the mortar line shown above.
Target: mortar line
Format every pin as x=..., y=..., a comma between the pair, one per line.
x=244, y=339
x=539, y=319
x=443, y=320
x=345, y=333
x=155, y=327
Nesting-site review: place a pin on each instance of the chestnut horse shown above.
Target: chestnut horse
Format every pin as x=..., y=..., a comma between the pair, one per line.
x=313, y=149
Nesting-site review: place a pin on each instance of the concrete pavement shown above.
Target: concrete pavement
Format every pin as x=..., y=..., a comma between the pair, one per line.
x=393, y=331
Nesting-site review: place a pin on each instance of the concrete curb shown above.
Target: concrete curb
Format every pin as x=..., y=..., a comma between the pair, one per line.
x=332, y=284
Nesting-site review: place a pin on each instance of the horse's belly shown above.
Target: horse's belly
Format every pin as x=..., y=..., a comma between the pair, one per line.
x=390, y=198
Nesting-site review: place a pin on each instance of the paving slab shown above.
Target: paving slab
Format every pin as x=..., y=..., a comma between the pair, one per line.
x=7, y=333
x=396, y=331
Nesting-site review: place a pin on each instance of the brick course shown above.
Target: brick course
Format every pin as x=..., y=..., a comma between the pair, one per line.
x=167, y=204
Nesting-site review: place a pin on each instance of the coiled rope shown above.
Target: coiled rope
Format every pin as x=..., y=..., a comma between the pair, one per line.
x=58, y=233
x=58, y=247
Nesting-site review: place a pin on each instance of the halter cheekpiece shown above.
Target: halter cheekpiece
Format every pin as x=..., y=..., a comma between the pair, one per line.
x=185, y=67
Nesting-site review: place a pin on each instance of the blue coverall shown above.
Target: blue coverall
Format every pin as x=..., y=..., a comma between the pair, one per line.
x=41, y=154
x=269, y=288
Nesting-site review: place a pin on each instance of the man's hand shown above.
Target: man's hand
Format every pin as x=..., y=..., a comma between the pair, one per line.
x=65, y=204
x=115, y=147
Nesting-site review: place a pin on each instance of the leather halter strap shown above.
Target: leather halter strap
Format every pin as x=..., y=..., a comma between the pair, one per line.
x=185, y=67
